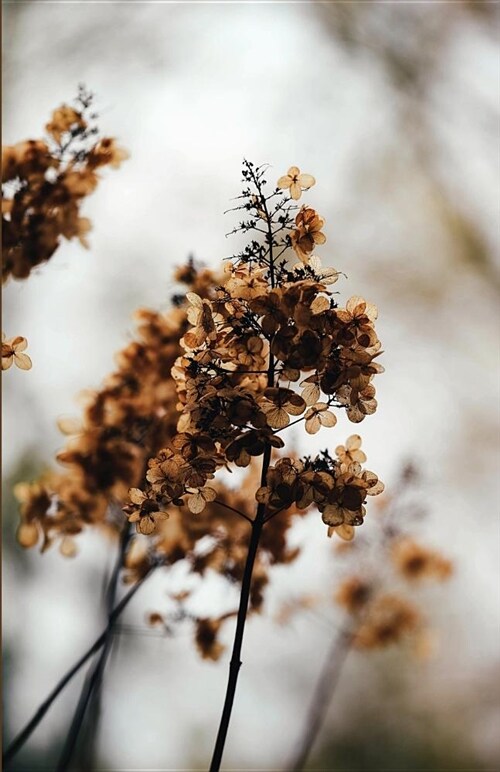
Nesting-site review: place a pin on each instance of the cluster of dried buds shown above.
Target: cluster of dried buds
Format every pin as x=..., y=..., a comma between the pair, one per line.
x=131, y=416
x=44, y=182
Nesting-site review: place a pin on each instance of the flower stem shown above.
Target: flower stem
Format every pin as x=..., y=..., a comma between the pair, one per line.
x=323, y=693
x=32, y=724
x=235, y=664
x=94, y=678
x=257, y=526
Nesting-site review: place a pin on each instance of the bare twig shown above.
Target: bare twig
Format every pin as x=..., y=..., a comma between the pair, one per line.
x=323, y=693
x=32, y=724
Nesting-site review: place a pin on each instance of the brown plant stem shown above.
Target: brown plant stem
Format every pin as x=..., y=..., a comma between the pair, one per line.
x=93, y=679
x=235, y=663
x=257, y=526
x=32, y=724
x=322, y=696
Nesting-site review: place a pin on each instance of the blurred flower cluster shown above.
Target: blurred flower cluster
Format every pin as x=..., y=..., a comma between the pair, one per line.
x=44, y=182
x=381, y=571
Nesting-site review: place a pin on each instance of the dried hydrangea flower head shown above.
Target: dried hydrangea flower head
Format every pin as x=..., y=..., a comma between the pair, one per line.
x=270, y=326
x=44, y=183
x=131, y=416
x=13, y=353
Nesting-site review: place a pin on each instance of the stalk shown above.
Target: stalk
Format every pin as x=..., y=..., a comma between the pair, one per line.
x=94, y=678
x=322, y=697
x=257, y=526
x=21, y=738
x=235, y=663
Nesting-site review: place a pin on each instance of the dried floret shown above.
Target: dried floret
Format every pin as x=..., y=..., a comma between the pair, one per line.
x=12, y=353
x=390, y=619
x=317, y=416
x=307, y=233
x=296, y=182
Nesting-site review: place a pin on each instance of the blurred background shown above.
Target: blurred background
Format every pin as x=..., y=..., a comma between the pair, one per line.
x=395, y=110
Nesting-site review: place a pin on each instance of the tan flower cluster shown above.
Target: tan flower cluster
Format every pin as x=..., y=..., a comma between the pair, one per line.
x=415, y=562
x=337, y=487
x=13, y=353
x=130, y=417
x=209, y=385
x=247, y=348
x=389, y=619
x=44, y=183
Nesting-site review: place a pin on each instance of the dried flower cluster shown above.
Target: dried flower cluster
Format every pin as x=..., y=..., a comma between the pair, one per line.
x=268, y=327
x=44, y=182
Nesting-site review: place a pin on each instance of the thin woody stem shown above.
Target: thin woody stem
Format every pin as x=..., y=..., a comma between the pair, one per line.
x=32, y=724
x=323, y=693
x=235, y=664
x=257, y=526
x=233, y=509
x=93, y=679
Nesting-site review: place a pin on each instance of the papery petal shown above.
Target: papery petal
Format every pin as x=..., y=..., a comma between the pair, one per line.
x=306, y=181
x=146, y=525
x=284, y=182
x=19, y=343
x=27, y=535
x=277, y=418
x=136, y=496
x=68, y=547
x=311, y=393
x=23, y=361
x=356, y=303
x=346, y=532
x=353, y=442
x=313, y=425
x=320, y=304
x=194, y=299
x=196, y=503
x=371, y=311
x=328, y=419
x=69, y=425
